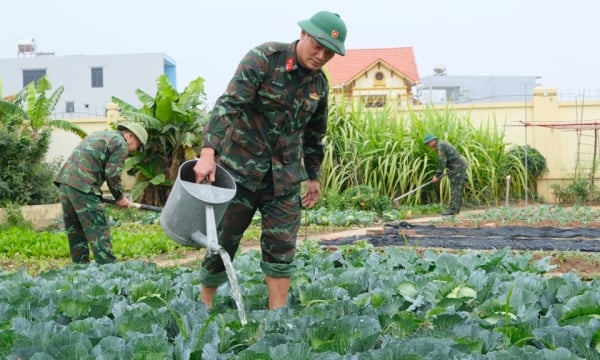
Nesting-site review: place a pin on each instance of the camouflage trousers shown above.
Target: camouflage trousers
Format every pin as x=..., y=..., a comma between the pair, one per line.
x=86, y=226
x=457, y=175
x=280, y=222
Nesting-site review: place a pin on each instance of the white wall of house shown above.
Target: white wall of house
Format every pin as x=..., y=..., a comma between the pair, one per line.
x=122, y=75
x=378, y=84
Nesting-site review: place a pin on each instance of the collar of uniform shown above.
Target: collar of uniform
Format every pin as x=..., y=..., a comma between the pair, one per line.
x=291, y=58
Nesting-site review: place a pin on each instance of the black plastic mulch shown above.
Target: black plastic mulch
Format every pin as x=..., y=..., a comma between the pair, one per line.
x=515, y=237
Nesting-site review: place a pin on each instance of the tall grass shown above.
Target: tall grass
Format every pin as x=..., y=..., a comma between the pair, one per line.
x=382, y=150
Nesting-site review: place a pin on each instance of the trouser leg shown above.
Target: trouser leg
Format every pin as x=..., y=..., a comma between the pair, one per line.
x=87, y=226
x=236, y=219
x=78, y=245
x=457, y=184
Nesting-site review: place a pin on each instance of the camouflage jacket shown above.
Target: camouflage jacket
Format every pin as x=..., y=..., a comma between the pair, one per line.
x=99, y=157
x=449, y=158
x=273, y=116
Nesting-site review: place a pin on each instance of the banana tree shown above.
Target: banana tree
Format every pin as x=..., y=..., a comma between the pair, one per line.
x=174, y=123
x=32, y=109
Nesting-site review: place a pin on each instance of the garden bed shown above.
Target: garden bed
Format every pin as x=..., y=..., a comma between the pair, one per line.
x=572, y=246
x=485, y=238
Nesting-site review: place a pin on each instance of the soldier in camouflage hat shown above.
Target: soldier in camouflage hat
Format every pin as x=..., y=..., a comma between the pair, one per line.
x=98, y=158
x=267, y=131
x=449, y=158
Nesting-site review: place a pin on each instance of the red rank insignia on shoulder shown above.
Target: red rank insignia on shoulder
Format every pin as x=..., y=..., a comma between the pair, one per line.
x=289, y=64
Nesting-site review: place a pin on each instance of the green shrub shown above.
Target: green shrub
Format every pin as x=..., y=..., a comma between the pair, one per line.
x=577, y=191
x=366, y=198
x=535, y=161
x=14, y=218
x=25, y=178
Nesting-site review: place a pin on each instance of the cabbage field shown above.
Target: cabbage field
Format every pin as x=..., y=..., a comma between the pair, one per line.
x=357, y=302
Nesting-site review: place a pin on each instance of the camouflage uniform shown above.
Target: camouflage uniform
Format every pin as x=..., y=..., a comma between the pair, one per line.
x=98, y=158
x=267, y=131
x=450, y=158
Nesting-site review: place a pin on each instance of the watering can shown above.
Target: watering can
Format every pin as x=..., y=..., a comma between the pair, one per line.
x=193, y=211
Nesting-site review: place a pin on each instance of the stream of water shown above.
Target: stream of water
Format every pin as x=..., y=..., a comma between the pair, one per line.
x=236, y=291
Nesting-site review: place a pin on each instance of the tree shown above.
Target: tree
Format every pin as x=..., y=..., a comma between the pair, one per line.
x=174, y=123
x=25, y=179
x=32, y=110
x=25, y=129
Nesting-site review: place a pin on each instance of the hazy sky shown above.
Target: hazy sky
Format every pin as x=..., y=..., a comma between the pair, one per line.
x=554, y=39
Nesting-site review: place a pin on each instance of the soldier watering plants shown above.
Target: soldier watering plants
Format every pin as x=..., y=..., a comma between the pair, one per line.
x=266, y=130
x=449, y=158
x=97, y=159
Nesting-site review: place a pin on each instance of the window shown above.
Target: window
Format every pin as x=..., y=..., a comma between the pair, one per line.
x=374, y=101
x=97, y=77
x=70, y=106
x=379, y=79
x=32, y=76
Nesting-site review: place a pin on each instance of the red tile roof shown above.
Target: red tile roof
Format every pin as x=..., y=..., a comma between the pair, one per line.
x=342, y=69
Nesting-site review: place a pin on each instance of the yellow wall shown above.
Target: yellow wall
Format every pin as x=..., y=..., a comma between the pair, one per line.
x=62, y=143
x=560, y=147
x=393, y=86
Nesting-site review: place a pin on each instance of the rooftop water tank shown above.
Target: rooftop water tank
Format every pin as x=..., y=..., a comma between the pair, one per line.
x=26, y=46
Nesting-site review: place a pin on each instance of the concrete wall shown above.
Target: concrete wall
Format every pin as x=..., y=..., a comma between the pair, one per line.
x=546, y=124
x=41, y=216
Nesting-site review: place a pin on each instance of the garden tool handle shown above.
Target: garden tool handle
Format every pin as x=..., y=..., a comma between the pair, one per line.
x=416, y=189
x=134, y=204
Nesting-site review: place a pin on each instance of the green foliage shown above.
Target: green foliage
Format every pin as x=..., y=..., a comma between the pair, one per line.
x=19, y=241
x=130, y=241
x=532, y=158
x=121, y=216
x=525, y=164
x=25, y=178
x=364, y=197
x=356, y=302
x=174, y=123
x=14, y=218
x=378, y=149
x=25, y=130
x=31, y=109
x=134, y=241
x=577, y=191
x=361, y=197
x=537, y=214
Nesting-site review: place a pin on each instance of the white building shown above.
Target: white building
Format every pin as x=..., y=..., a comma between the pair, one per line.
x=442, y=88
x=89, y=81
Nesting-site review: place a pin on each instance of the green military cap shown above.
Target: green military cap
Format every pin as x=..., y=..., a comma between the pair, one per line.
x=328, y=29
x=137, y=130
x=429, y=138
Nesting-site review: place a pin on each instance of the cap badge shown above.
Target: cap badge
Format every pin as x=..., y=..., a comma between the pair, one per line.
x=335, y=34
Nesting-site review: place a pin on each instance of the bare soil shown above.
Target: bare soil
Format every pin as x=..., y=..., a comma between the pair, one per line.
x=586, y=264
